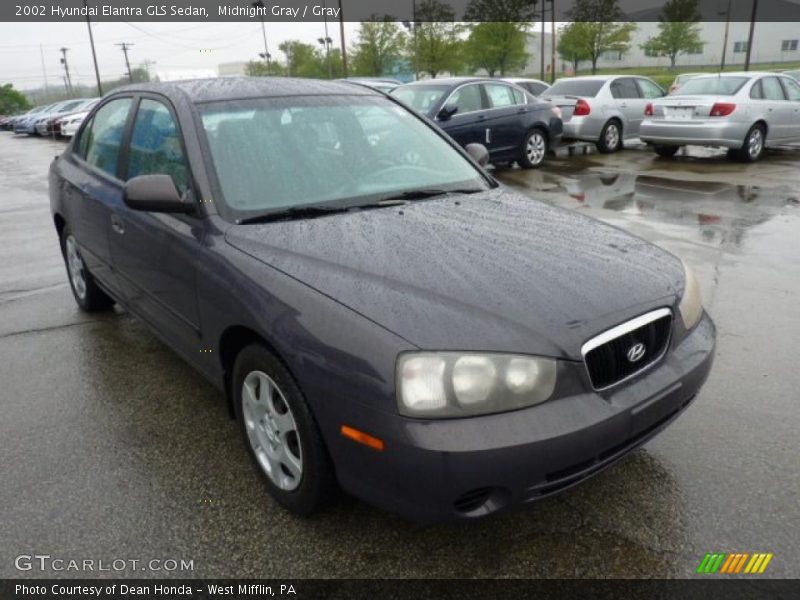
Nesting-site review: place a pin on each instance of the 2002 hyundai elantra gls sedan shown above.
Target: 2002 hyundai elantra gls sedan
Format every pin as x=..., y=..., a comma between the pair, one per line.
x=379, y=311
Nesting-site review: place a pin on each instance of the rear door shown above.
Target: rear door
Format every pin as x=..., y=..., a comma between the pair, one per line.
x=792, y=89
x=93, y=188
x=505, y=125
x=777, y=109
x=155, y=254
x=628, y=100
x=467, y=125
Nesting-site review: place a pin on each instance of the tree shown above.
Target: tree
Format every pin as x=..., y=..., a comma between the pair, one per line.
x=497, y=47
x=438, y=44
x=678, y=33
x=573, y=43
x=11, y=100
x=302, y=60
x=258, y=68
x=603, y=28
x=379, y=46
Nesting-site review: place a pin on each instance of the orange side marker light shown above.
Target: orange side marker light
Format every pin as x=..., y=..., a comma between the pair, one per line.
x=362, y=438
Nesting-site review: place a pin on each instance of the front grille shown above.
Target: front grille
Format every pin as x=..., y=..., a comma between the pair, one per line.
x=609, y=356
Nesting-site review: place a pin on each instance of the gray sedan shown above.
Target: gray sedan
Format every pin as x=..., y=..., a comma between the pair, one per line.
x=602, y=109
x=744, y=112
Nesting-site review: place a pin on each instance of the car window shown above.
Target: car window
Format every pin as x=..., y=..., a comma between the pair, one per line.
x=420, y=97
x=275, y=153
x=792, y=89
x=467, y=98
x=104, y=135
x=585, y=88
x=535, y=88
x=500, y=95
x=756, y=92
x=624, y=88
x=156, y=146
x=649, y=89
x=772, y=89
x=712, y=86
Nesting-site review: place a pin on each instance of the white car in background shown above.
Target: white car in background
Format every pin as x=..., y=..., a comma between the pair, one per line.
x=745, y=112
x=70, y=123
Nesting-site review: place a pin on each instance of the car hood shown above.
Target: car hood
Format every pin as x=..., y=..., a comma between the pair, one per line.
x=494, y=271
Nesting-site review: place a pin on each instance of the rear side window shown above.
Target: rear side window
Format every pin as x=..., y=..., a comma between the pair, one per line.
x=585, y=88
x=467, y=99
x=156, y=146
x=756, y=93
x=502, y=95
x=649, y=89
x=535, y=88
x=624, y=88
x=772, y=89
x=101, y=139
x=792, y=89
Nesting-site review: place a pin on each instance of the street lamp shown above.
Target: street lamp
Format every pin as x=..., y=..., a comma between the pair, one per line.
x=326, y=42
x=266, y=55
x=411, y=27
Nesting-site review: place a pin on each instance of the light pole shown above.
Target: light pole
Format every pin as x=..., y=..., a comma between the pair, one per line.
x=67, y=80
x=259, y=4
x=552, y=41
x=341, y=40
x=411, y=27
x=750, y=37
x=326, y=43
x=266, y=57
x=94, y=54
x=725, y=36
x=544, y=16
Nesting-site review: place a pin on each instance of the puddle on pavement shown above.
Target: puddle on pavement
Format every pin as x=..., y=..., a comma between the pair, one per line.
x=721, y=212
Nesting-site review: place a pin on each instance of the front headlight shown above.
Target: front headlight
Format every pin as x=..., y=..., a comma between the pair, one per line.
x=691, y=306
x=455, y=384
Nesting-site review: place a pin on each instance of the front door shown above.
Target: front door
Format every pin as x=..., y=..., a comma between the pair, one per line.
x=155, y=255
x=467, y=125
x=629, y=102
x=506, y=122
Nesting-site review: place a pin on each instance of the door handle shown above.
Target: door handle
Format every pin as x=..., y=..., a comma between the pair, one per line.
x=488, y=136
x=522, y=111
x=624, y=105
x=117, y=224
x=481, y=117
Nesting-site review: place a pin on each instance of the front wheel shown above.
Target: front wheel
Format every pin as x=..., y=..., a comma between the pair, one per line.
x=754, y=144
x=610, y=138
x=534, y=149
x=666, y=151
x=280, y=432
x=88, y=295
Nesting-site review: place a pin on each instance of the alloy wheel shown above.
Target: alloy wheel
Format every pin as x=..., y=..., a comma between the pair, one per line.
x=272, y=430
x=755, y=143
x=536, y=148
x=75, y=268
x=612, y=136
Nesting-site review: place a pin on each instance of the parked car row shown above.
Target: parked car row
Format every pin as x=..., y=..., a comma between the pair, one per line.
x=61, y=119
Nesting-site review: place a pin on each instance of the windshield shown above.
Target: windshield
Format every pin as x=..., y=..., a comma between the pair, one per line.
x=421, y=97
x=711, y=86
x=586, y=88
x=277, y=153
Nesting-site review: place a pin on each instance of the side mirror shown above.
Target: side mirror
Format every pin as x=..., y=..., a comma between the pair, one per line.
x=447, y=111
x=154, y=193
x=478, y=152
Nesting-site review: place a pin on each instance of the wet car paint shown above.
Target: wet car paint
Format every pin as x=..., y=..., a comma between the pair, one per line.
x=140, y=459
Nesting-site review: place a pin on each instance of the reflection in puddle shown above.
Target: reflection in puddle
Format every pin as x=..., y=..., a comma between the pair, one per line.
x=721, y=212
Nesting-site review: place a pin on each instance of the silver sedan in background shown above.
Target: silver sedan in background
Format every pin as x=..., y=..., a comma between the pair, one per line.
x=744, y=112
x=604, y=109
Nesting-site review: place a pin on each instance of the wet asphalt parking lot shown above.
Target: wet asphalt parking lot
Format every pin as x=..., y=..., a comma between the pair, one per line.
x=112, y=447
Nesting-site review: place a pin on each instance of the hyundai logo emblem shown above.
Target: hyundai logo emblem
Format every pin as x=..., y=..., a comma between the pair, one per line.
x=636, y=352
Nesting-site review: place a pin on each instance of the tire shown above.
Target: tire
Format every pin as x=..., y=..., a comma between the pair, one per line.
x=754, y=145
x=666, y=151
x=87, y=294
x=534, y=150
x=280, y=432
x=610, y=137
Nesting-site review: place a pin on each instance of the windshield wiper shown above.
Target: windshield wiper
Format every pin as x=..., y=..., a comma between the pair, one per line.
x=294, y=212
x=421, y=194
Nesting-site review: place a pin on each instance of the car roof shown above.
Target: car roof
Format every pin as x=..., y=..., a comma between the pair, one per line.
x=449, y=81
x=241, y=88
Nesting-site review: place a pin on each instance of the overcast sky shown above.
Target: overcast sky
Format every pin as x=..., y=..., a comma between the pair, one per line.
x=173, y=47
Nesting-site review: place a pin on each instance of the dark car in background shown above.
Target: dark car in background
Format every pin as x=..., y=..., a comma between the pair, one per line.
x=47, y=123
x=27, y=123
x=510, y=122
x=379, y=311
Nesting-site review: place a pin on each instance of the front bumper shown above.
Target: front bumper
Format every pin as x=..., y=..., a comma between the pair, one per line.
x=438, y=470
x=727, y=134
